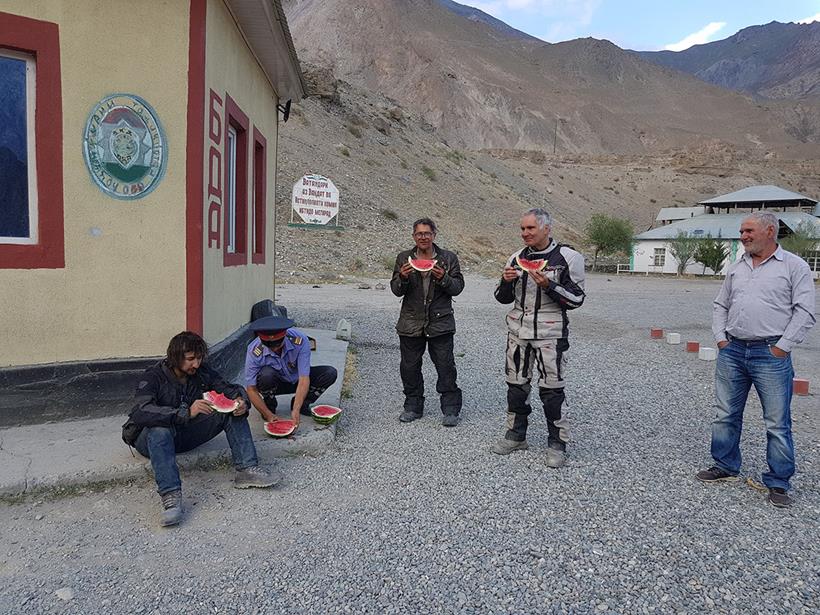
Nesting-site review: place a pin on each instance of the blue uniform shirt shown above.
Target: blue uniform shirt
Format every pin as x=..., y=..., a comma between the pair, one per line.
x=289, y=366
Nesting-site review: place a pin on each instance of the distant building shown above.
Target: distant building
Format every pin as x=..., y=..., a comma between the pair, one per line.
x=668, y=215
x=137, y=172
x=650, y=251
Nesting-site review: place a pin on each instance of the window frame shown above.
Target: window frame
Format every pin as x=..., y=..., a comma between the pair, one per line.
x=236, y=120
x=659, y=254
x=812, y=259
x=259, y=208
x=40, y=40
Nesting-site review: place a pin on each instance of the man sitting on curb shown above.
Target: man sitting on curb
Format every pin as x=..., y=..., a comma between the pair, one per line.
x=278, y=363
x=171, y=417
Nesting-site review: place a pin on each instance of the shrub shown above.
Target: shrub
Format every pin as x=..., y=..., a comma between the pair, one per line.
x=608, y=234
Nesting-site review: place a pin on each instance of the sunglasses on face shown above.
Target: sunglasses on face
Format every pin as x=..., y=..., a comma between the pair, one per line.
x=425, y=235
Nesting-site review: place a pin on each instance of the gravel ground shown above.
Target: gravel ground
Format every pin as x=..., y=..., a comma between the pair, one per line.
x=422, y=519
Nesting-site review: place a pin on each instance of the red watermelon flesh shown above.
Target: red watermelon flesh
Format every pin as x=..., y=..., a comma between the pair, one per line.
x=528, y=265
x=219, y=402
x=421, y=264
x=280, y=429
x=325, y=412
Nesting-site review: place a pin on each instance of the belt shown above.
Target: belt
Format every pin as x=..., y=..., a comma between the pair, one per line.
x=766, y=341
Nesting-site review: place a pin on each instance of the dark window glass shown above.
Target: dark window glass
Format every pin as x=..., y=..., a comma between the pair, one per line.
x=14, y=207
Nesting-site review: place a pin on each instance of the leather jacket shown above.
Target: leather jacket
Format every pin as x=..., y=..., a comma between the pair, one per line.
x=427, y=315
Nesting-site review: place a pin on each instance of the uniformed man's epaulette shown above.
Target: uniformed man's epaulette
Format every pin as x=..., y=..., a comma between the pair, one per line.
x=297, y=341
x=257, y=352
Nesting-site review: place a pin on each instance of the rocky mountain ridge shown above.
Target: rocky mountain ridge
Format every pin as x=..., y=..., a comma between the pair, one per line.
x=481, y=87
x=775, y=61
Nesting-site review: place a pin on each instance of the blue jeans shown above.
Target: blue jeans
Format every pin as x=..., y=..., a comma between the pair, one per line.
x=161, y=444
x=739, y=366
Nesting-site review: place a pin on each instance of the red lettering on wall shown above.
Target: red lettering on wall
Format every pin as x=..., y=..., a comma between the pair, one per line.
x=214, y=216
x=215, y=118
x=215, y=173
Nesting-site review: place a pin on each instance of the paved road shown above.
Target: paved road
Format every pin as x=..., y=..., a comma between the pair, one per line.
x=419, y=519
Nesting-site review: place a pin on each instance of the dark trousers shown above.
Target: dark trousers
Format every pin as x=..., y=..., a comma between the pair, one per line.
x=518, y=409
x=161, y=444
x=270, y=385
x=441, y=353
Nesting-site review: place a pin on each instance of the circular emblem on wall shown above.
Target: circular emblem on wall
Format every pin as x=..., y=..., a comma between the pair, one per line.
x=124, y=146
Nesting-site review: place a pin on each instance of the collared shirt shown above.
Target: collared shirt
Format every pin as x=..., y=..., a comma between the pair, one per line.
x=776, y=298
x=293, y=363
x=425, y=275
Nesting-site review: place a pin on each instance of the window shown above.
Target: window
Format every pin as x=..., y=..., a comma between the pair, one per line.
x=230, y=190
x=235, y=245
x=18, y=169
x=31, y=158
x=659, y=258
x=259, y=206
x=813, y=259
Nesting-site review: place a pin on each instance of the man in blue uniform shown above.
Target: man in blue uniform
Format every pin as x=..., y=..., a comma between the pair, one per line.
x=278, y=363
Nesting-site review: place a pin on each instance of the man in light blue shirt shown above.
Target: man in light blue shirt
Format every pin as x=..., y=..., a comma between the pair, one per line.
x=764, y=308
x=278, y=363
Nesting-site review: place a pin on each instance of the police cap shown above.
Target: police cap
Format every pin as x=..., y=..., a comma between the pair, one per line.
x=272, y=324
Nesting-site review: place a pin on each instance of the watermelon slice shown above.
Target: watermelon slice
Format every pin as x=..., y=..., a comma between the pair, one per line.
x=421, y=264
x=528, y=265
x=325, y=415
x=280, y=429
x=220, y=403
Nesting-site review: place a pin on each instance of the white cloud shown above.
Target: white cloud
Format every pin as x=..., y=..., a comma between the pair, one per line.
x=569, y=11
x=810, y=19
x=697, y=38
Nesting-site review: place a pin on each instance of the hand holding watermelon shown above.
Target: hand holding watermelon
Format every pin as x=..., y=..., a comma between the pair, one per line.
x=200, y=406
x=405, y=271
x=510, y=274
x=437, y=271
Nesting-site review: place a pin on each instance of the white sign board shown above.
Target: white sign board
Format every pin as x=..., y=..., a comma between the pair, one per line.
x=315, y=199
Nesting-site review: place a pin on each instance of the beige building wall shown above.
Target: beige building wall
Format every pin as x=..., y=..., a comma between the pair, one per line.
x=121, y=293
x=230, y=67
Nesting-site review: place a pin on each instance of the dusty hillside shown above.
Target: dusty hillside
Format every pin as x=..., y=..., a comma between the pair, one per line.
x=392, y=167
x=482, y=88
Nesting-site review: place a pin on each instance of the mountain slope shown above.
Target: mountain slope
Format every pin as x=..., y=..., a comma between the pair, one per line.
x=482, y=88
x=392, y=168
x=776, y=60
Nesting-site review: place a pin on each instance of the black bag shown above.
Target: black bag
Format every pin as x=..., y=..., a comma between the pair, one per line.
x=130, y=432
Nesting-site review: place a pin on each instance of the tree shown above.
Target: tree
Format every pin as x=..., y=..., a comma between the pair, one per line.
x=609, y=235
x=804, y=239
x=683, y=247
x=711, y=253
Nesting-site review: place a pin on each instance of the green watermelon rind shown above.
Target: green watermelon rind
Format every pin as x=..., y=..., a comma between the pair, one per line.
x=325, y=418
x=326, y=421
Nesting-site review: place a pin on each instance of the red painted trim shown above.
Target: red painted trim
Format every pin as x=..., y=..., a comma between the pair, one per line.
x=42, y=40
x=194, y=172
x=260, y=180
x=235, y=117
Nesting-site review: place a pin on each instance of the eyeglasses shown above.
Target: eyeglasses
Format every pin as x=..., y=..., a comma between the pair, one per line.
x=424, y=235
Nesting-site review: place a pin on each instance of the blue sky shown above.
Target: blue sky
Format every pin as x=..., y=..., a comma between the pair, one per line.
x=644, y=25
